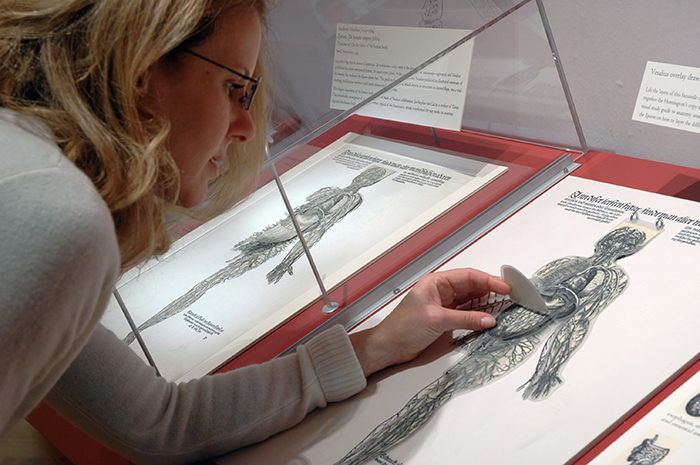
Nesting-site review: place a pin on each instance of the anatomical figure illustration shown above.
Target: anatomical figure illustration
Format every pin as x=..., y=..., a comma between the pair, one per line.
x=576, y=290
x=323, y=209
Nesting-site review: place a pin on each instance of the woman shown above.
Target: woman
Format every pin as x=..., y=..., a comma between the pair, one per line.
x=115, y=115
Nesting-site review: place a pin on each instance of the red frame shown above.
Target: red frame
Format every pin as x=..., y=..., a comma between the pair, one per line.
x=524, y=161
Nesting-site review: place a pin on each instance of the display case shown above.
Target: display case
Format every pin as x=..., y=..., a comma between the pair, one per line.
x=401, y=133
x=394, y=146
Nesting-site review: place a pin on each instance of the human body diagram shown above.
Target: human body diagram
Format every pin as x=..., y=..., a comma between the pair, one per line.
x=323, y=209
x=576, y=290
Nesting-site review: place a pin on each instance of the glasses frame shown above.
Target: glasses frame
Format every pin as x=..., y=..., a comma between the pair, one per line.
x=247, y=98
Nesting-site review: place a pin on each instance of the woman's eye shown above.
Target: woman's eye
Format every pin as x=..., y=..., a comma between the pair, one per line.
x=232, y=88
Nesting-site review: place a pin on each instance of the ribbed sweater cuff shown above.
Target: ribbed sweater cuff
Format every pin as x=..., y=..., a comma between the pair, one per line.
x=338, y=369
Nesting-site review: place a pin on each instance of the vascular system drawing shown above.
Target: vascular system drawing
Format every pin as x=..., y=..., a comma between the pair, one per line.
x=323, y=209
x=576, y=290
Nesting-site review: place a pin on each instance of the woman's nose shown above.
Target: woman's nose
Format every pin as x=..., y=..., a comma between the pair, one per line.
x=242, y=126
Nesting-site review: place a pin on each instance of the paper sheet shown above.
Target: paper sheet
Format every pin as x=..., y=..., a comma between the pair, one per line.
x=231, y=281
x=669, y=434
x=368, y=58
x=636, y=343
x=669, y=96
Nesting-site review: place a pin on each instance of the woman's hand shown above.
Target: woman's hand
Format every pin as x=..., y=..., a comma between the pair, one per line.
x=426, y=312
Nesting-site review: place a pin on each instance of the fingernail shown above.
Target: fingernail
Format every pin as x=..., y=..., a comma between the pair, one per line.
x=488, y=322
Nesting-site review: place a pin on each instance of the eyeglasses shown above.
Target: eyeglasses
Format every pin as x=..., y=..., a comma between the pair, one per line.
x=247, y=98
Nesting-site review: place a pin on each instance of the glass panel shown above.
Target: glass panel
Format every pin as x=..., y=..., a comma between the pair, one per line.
x=381, y=187
x=514, y=87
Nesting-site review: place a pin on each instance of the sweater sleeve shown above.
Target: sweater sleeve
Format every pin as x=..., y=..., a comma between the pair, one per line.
x=112, y=395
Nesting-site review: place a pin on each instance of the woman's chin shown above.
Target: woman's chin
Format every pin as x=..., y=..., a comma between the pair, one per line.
x=191, y=199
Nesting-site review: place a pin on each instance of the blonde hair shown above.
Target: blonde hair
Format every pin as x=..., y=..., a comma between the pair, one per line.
x=75, y=65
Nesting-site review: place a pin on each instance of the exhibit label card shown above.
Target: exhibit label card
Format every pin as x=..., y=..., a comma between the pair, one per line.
x=368, y=58
x=669, y=96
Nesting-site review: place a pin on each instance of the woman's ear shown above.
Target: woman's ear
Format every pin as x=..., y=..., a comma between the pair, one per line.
x=144, y=95
x=142, y=84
